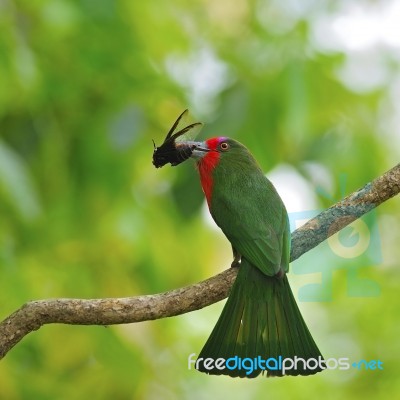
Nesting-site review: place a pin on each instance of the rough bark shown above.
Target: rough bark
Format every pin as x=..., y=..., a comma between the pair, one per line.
x=34, y=314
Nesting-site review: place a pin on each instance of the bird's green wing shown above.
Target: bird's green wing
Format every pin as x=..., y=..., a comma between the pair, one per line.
x=258, y=229
x=269, y=251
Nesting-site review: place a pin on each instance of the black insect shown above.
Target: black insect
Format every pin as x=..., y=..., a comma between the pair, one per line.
x=176, y=147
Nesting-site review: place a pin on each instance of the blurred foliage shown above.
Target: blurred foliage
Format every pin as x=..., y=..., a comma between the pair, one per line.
x=85, y=86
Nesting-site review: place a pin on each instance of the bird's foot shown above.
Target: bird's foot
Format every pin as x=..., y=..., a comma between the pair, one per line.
x=235, y=263
x=236, y=258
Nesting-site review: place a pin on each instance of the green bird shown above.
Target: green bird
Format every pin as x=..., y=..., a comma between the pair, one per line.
x=260, y=325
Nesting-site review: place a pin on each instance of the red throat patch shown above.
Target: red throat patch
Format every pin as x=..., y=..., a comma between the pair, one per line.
x=206, y=167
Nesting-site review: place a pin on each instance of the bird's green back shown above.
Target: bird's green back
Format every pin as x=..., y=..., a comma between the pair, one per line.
x=248, y=209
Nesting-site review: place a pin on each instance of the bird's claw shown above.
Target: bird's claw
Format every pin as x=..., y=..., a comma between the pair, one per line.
x=235, y=263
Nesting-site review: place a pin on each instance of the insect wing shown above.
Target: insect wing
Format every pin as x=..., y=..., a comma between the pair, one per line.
x=176, y=123
x=188, y=133
x=173, y=150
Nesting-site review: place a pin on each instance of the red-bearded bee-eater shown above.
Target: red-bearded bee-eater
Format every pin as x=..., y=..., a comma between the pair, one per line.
x=260, y=320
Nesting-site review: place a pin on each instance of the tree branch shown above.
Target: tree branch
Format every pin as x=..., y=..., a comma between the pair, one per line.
x=34, y=314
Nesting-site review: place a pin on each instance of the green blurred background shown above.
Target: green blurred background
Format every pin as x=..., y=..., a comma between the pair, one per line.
x=309, y=86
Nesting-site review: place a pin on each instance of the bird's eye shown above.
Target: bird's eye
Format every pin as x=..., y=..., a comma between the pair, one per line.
x=224, y=146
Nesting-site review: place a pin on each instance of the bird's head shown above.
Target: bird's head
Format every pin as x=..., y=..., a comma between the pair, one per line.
x=220, y=150
x=222, y=155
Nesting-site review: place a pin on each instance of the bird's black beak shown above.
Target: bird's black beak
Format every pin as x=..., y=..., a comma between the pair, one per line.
x=199, y=149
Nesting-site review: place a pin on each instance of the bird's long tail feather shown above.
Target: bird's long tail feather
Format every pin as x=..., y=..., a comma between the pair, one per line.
x=260, y=330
